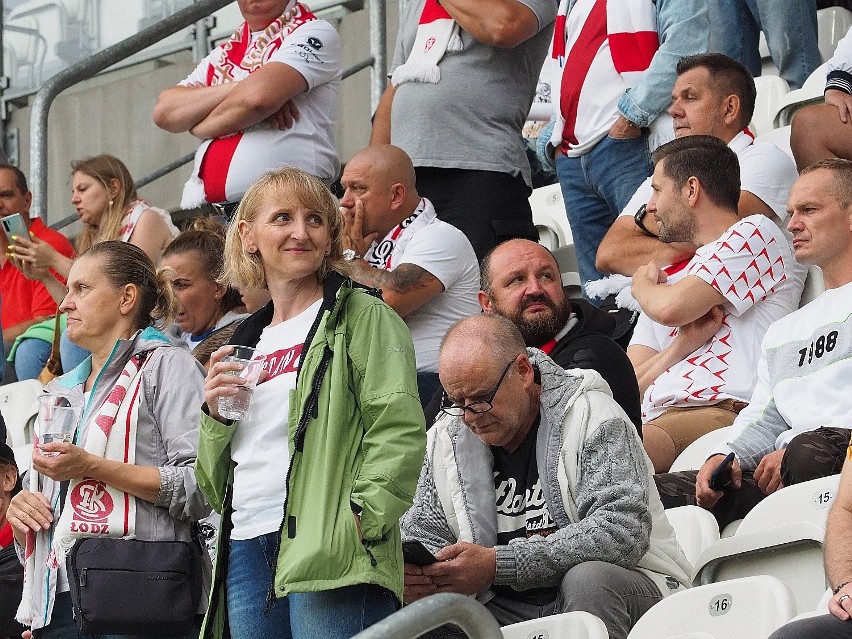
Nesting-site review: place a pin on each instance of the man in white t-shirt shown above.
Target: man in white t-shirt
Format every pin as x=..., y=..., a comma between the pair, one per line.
x=699, y=335
x=713, y=95
x=798, y=420
x=426, y=269
x=265, y=98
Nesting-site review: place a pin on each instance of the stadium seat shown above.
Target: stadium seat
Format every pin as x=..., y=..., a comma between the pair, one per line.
x=814, y=285
x=549, y=217
x=566, y=259
x=19, y=408
x=747, y=608
x=694, y=455
x=576, y=625
x=812, y=92
x=780, y=137
x=832, y=23
x=782, y=536
x=695, y=529
x=771, y=89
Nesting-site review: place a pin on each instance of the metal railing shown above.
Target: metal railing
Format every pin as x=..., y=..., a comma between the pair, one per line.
x=427, y=614
x=106, y=58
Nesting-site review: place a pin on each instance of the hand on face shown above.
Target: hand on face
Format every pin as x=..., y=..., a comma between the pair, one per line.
x=353, y=229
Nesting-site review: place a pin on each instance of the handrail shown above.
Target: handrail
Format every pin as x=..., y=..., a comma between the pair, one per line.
x=431, y=612
x=88, y=68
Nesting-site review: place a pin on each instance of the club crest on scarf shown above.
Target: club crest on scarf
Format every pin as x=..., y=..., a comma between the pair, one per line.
x=91, y=506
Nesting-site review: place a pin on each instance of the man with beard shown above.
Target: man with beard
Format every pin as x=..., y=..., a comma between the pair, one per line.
x=699, y=335
x=520, y=280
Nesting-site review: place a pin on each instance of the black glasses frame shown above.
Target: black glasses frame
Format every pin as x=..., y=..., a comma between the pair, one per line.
x=478, y=407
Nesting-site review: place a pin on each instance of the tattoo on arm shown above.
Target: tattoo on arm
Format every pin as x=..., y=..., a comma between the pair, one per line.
x=404, y=279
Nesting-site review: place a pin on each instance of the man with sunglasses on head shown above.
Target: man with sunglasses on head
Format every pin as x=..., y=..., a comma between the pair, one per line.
x=535, y=494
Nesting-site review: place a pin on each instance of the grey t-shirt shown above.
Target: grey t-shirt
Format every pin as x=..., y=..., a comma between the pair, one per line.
x=472, y=118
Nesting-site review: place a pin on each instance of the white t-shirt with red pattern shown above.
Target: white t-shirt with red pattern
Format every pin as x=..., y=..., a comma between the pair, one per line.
x=230, y=164
x=259, y=445
x=751, y=266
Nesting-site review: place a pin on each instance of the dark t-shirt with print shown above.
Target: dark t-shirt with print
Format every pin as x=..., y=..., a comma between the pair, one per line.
x=521, y=508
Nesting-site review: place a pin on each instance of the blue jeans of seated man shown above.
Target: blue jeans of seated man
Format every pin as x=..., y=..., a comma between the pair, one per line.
x=30, y=358
x=791, y=35
x=63, y=626
x=596, y=187
x=331, y=614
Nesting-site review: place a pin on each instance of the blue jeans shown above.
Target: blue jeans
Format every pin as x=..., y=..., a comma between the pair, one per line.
x=596, y=187
x=791, y=34
x=70, y=354
x=331, y=614
x=62, y=625
x=30, y=358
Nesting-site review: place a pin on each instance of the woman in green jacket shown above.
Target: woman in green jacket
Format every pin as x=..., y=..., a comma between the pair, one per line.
x=312, y=483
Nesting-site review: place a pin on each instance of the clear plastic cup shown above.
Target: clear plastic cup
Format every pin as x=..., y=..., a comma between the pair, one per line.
x=57, y=420
x=236, y=407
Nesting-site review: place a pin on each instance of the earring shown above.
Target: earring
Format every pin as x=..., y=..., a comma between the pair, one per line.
x=110, y=202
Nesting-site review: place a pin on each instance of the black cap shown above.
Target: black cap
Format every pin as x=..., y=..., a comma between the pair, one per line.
x=8, y=455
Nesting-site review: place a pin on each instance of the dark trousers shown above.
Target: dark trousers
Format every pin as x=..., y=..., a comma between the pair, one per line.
x=811, y=455
x=822, y=627
x=488, y=207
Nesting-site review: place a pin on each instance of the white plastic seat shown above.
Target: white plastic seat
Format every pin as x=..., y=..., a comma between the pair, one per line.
x=549, y=217
x=748, y=608
x=576, y=625
x=782, y=536
x=694, y=455
x=812, y=92
x=695, y=528
x=19, y=407
x=771, y=89
x=780, y=137
x=832, y=24
x=814, y=285
x=566, y=259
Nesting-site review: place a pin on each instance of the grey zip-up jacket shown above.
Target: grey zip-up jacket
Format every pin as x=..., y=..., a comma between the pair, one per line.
x=596, y=479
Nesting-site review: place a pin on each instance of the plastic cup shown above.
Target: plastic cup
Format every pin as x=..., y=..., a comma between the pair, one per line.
x=57, y=420
x=236, y=407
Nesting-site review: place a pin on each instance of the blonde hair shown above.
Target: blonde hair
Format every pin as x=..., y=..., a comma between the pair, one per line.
x=106, y=168
x=244, y=270
x=124, y=263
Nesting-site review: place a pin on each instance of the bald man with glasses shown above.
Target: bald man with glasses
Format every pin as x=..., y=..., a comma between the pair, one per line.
x=536, y=494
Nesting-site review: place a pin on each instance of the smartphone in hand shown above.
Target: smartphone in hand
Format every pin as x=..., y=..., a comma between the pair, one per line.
x=14, y=225
x=721, y=477
x=414, y=552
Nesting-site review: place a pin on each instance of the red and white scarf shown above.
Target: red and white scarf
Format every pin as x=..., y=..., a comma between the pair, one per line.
x=381, y=254
x=239, y=57
x=437, y=33
x=94, y=509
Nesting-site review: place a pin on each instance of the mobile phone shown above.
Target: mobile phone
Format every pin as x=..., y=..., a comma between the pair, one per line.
x=721, y=477
x=414, y=552
x=14, y=225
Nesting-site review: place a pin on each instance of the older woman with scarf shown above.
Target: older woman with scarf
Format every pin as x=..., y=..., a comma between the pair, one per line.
x=313, y=482
x=135, y=443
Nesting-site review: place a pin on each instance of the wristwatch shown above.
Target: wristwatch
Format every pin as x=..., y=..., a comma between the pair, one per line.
x=350, y=255
x=639, y=218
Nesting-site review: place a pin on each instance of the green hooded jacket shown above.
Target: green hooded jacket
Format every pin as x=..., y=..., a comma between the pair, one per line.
x=357, y=440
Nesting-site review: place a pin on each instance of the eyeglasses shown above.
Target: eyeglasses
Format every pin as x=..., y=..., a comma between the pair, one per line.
x=477, y=407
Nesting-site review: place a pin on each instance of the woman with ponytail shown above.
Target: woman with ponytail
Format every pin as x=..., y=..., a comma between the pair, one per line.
x=136, y=379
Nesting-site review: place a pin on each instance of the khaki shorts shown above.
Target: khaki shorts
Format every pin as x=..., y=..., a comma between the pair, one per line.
x=685, y=425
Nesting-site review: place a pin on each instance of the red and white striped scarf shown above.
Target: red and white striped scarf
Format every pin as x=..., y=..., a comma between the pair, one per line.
x=94, y=509
x=437, y=33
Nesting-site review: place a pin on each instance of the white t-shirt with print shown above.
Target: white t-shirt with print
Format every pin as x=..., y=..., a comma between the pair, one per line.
x=259, y=445
x=750, y=265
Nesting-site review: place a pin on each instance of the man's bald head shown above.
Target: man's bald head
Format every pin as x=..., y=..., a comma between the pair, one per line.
x=388, y=163
x=488, y=336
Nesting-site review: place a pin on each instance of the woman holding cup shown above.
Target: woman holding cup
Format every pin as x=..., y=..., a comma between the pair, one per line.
x=134, y=444
x=312, y=482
